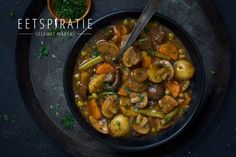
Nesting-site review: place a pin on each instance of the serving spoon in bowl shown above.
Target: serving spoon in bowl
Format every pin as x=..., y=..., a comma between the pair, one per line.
x=145, y=17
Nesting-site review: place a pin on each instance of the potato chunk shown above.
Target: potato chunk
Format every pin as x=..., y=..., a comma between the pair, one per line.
x=119, y=126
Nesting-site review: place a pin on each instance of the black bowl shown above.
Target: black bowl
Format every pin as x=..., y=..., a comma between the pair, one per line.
x=131, y=143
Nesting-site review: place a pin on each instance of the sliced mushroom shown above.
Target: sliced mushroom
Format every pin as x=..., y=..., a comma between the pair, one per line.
x=139, y=75
x=156, y=123
x=119, y=126
x=108, y=50
x=126, y=73
x=140, y=99
x=167, y=103
x=117, y=81
x=131, y=57
x=168, y=69
x=141, y=124
x=110, y=106
x=124, y=101
x=99, y=125
x=153, y=74
x=135, y=86
x=156, y=91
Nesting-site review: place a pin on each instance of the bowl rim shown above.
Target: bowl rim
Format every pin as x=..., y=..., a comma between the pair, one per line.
x=183, y=126
x=54, y=15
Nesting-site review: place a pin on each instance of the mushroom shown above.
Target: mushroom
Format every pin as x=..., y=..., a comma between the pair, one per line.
x=167, y=70
x=99, y=125
x=135, y=86
x=141, y=99
x=153, y=74
x=117, y=81
x=119, y=126
x=141, y=124
x=108, y=50
x=110, y=106
x=156, y=91
x=145, y=44
x=124, y=101
x=126, y=73
x=117, y=34
x=167, y=103
x=157, y=123
x=139, y=75
x=131, y=57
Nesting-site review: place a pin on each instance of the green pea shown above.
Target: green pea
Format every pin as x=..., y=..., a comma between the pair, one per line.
x=80, y=103
x=84, y=53
x=171, y=36
x=167, y=92
x=181, y=95
x=125, y=22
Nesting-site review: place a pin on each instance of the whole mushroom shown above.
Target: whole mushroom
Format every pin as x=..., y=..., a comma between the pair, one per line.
x=141, y=124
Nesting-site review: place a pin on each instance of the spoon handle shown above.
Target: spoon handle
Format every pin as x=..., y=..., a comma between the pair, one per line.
x=146, y=15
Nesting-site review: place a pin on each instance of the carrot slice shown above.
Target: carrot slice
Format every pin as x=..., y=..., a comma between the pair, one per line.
x=105, y=68
x=169, y=50
x=122, y=91
x=94, y=109
x=146, y=60
x=173, y=87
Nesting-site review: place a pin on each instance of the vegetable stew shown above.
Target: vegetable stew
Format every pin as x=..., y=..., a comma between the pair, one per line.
x=148, y=92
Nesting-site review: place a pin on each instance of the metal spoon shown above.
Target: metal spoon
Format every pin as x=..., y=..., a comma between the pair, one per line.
x=145, y=17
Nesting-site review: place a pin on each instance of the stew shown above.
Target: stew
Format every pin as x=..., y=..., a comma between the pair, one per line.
x=145, y=94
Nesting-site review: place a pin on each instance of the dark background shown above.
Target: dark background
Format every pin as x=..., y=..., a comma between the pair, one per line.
x=20, y=135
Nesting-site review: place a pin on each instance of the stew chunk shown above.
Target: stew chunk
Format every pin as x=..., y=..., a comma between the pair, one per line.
x=131, y=57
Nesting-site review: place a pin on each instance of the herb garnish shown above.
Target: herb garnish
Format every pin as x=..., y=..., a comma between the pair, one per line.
x=141, y=41
x=151, y=52
x=95, y=52
x=109, y=93
x=43, y=51
x=12, y=14
x=146, y=30
x=127, y=89
x=118, y=123
x=7, y=118
x=70, y=9
x=68, y=121
x=140, y=97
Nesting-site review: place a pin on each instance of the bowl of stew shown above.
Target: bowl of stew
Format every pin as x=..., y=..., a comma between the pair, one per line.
x=145, y=100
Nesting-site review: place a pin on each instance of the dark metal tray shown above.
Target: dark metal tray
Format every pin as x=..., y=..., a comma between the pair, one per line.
x=41, y=86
